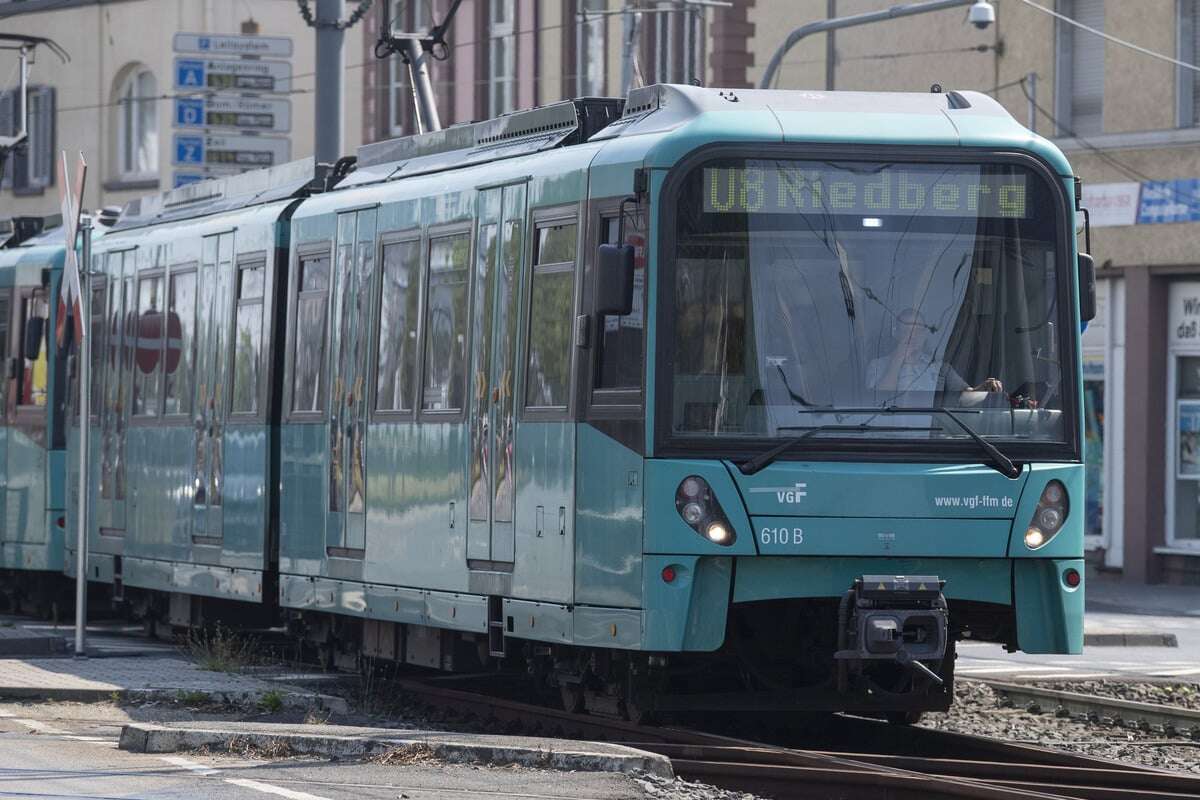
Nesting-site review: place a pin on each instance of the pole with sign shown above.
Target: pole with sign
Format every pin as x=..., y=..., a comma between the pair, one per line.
x=73, y=301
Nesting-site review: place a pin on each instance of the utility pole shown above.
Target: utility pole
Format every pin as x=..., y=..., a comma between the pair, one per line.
x=85, y=403
x=329, y=123
x=1031, y=78
x=982, y=15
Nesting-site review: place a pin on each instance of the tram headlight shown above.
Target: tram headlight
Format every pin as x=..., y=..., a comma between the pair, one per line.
x=1049, y=516
x=698, y=506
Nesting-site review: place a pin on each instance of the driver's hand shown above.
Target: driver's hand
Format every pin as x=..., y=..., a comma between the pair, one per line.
x=990, y=385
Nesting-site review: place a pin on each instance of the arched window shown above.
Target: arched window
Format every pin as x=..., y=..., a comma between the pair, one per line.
x=137, y=123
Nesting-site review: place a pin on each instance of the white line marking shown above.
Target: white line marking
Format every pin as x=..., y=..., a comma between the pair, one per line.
x=189, y=765
x=267, y=788
x=40, y=727
x=1174, y=673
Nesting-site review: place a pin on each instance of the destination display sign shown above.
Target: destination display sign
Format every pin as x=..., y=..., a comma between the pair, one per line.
x=773, y=187
x=233, y=75
x=241, y=113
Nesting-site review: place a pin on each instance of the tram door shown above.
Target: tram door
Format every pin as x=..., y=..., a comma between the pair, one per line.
x=114, y=407
x=491, y=535
x=346, y=519
x=213, y=310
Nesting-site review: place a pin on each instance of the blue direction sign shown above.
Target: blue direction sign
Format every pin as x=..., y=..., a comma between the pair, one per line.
x=230, y=151
x=189, y=113
x=189, y=149
x=231, y=45
x=233, y=75
x=237, y=113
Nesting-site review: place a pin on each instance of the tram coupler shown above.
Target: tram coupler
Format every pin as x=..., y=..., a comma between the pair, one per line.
x=896, y=618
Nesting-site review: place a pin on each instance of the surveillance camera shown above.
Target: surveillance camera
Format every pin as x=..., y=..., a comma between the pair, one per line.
x=981, y=14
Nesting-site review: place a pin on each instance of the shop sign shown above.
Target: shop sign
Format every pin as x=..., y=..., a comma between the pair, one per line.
x=1183, y=316
x=1170, y=201
x=1112, y=204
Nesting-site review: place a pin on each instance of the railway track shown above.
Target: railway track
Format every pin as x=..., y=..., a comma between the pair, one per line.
x=860, y=758
x=1148, y=717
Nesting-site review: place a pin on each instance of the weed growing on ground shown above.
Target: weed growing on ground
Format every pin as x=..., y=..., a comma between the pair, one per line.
x=193, y=698
x=405, y=755
x=221, y=649
x=271, y=702
x=316, y=716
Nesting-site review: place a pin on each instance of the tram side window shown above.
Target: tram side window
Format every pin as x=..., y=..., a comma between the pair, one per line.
x=34, y=373
x=398, y=315
x=4, y=311
x=181, y=333
x=551, y=313
x=311, y=302
x=247, y=343
x=99, y=339
x=446, y=323
x=148, y=346
x=619, y=350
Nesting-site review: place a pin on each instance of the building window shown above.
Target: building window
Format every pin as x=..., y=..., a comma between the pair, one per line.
x=502, y=64
x=591, y=47
x=1079, y=89
x=137, y=124
x=1186, y=79
x=31, y=167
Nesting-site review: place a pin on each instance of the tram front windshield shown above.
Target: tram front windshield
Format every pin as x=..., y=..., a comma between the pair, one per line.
x=812, y=293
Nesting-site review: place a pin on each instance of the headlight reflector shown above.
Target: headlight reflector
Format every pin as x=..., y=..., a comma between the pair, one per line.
x=1049, y=516
x=696, y=504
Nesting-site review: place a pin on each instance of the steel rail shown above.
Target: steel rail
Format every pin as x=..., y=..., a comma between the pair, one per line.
x=1095, y=708
x=1022, y=771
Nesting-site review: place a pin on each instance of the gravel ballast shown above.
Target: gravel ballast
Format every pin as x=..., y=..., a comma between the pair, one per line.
x=978, y=710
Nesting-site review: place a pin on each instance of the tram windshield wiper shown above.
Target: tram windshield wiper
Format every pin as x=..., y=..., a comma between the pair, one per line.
x=1001, y=462
x=755, y=464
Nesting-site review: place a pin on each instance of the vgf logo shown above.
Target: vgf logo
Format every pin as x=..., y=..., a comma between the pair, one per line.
x=791, y=495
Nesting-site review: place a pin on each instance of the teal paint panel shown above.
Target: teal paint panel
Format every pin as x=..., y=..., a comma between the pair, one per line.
x=541, y=622
x=1005, y=134
x=666, y=532
x=832, y=536
x=55, y=479
x=689, y=612
x=545, y=512
x=25, y=495
x=151, y=509
x=462, y=612
x=245, y=496
x=743, y=126
x=1049, y=614
x=987, y=580
x=302, y=499
x=414, y=472
x=919, y=491
x=608, y=522
x=868, y=128
x=1068, y=542
x=199, y=579
x=618, y=628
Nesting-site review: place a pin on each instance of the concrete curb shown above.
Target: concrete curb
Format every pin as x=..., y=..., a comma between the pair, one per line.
x=36, y=645
x=1112, y=639
x=555, y=754
x=290, y=700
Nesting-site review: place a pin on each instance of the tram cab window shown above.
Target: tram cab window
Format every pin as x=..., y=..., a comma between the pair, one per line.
x=551, y=313
x=619, y=348
x=311, y=302
x=446, y=323
x=33, y=376
x=398, y=316
x=247, y=342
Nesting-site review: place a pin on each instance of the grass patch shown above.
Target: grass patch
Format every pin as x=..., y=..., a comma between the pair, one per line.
x=220, y=649
x=271, y=702
x=405, y=755
x=193, y=698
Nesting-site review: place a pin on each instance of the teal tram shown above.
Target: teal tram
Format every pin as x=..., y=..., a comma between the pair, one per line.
x=707, y=400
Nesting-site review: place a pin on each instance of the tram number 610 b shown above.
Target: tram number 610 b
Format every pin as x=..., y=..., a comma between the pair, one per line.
x=781, y=536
